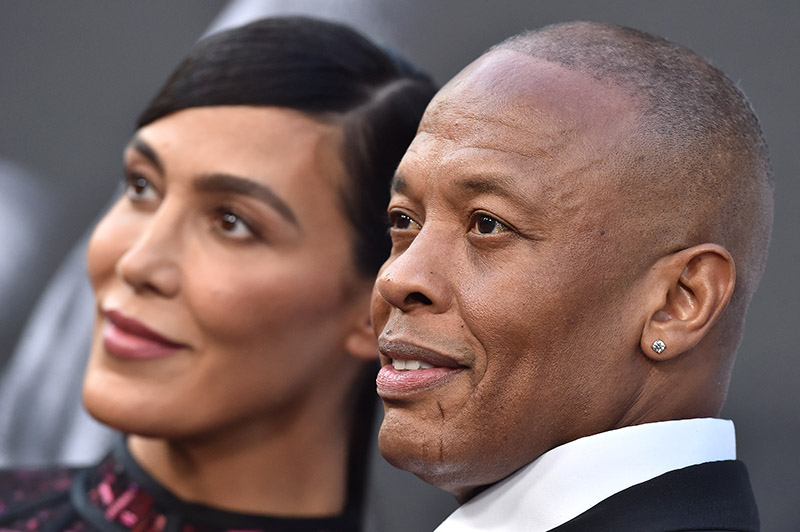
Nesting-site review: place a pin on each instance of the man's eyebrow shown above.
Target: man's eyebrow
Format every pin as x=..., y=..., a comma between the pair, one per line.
x=398, y=184
x=219, y=182
x=491, y=185
x=486, y=186
x=148, y=152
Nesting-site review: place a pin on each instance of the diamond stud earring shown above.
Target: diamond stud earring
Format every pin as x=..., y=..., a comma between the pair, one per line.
x=659, y=346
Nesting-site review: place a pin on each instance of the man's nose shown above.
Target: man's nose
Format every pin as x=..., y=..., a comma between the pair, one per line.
x=151, y=263
x=418, y=277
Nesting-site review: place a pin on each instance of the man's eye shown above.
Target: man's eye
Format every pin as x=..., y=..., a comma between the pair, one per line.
x=485, y=225
x=138, y=188
x=401, y=221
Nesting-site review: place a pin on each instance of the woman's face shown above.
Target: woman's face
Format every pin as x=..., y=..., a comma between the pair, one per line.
x=225, y=285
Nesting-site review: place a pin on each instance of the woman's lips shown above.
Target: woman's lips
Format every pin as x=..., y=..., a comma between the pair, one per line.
x=126, y=337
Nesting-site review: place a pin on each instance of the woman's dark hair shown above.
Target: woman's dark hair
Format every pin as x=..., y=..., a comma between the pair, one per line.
x=329, y=72
x=333, y=74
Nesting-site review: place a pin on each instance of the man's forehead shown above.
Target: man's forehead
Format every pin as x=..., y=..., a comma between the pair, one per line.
x=555, y=135
x=513, y=90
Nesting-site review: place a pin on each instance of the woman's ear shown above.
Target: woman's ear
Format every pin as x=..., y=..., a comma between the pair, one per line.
x=692, y=289
x=361, y=342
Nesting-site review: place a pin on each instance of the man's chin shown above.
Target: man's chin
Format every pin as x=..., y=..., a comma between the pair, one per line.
x=426, y=455
x=410, y=449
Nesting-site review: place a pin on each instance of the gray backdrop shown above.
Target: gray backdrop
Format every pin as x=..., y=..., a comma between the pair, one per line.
x=74, y=74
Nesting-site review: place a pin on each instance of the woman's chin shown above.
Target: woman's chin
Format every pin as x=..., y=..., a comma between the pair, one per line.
x=121, y=411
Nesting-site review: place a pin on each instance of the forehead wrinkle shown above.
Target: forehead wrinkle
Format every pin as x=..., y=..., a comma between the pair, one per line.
x=549, y=185
x=488, y=185
x=569, y=155
x=490, y=131
x=493, y=184
x=550, y=172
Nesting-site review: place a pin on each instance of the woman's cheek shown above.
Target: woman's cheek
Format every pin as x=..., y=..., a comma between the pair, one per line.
x=103, y=249
x=114, y=234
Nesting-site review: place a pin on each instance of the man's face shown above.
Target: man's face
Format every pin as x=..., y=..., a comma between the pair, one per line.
x=513, y=274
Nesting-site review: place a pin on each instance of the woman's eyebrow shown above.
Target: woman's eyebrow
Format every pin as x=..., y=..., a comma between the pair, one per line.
x=227, y=183
x=148, y=152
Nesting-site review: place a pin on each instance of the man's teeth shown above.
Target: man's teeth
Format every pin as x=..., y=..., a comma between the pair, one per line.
x=405, y=365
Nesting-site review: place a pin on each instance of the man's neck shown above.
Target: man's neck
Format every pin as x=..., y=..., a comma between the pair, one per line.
x=568, y=480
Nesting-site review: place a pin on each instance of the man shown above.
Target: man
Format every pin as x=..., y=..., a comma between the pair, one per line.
x=577, y=231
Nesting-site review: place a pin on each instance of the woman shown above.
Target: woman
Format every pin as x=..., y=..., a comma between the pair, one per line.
x=232, y=282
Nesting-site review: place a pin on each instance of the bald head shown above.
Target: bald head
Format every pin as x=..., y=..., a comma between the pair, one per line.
x=696, y=166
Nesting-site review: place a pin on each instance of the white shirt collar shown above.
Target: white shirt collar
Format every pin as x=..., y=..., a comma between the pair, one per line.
x=568, y=480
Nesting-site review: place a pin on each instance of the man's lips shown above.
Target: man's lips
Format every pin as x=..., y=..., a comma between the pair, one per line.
x=396, y=349
x=409, y=368
x=126, y=337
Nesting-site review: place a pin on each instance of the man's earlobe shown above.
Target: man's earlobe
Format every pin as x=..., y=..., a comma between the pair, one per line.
x=694, y=286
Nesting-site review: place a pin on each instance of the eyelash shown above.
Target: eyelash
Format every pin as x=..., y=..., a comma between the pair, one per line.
x=223, y=215
x=397, y=218
x=132, y=180
x=477, y=217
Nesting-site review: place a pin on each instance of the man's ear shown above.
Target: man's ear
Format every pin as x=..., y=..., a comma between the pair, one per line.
x=691, y=290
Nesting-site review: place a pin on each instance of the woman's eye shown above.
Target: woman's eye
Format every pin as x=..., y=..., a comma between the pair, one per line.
x=232, y=225
x=401, y=221
x=139, y=189
x=485, y=225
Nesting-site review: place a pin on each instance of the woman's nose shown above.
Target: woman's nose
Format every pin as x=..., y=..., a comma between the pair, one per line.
x=151, y=263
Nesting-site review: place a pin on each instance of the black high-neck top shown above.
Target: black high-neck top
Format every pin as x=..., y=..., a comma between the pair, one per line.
x=118, y=495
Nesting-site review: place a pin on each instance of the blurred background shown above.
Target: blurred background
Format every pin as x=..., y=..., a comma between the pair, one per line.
x=74, y=74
